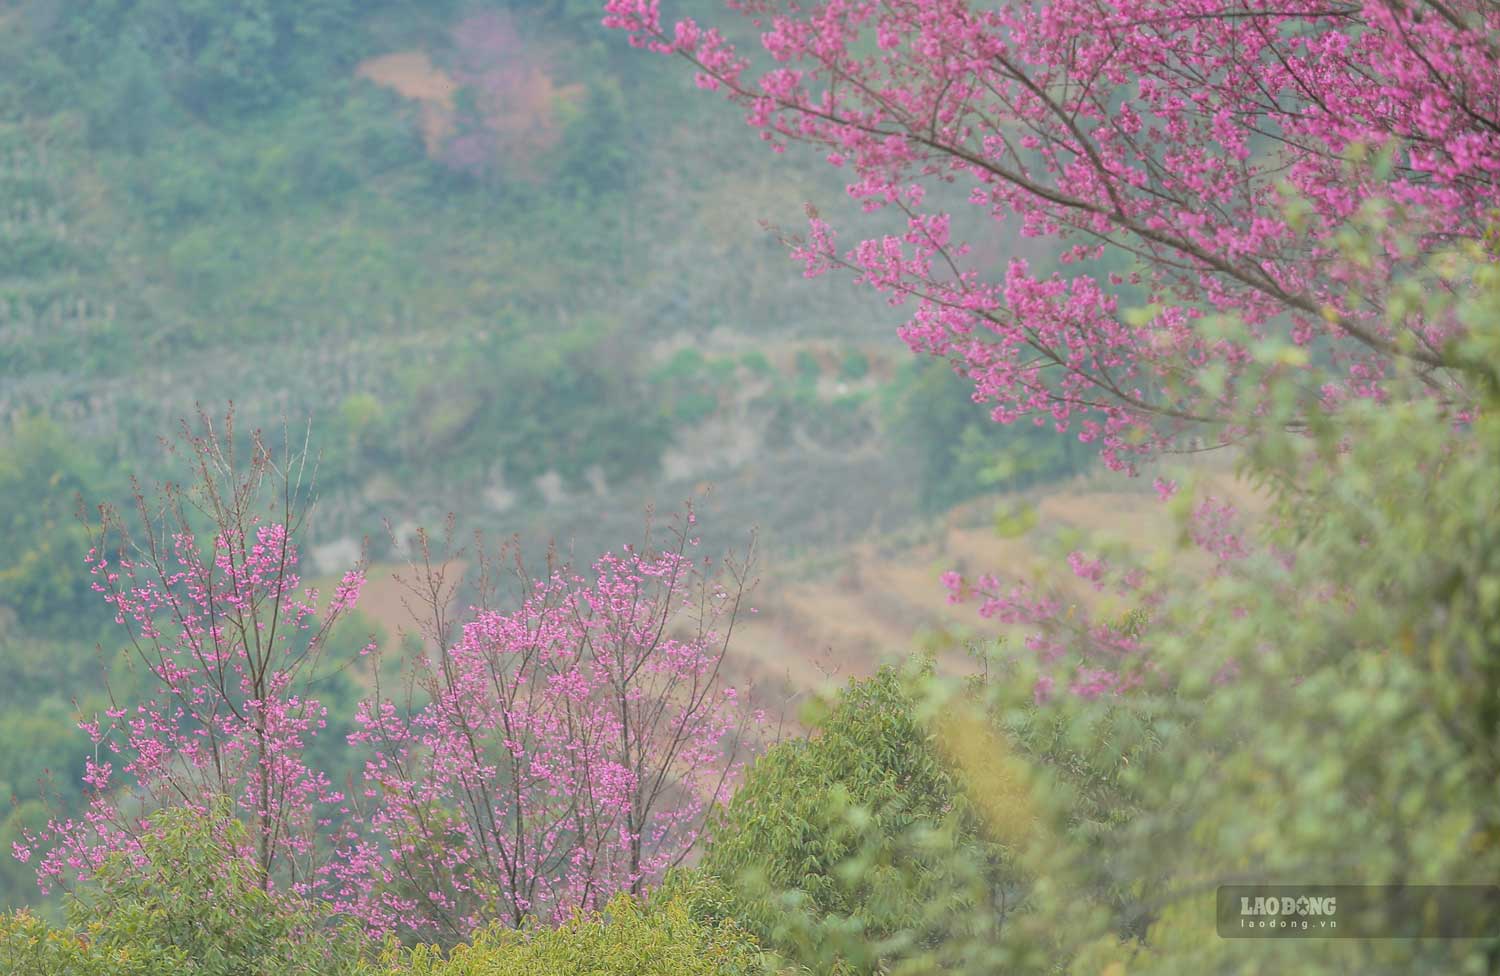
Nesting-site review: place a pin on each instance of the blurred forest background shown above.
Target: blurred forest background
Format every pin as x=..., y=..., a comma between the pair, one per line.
x=456, y=237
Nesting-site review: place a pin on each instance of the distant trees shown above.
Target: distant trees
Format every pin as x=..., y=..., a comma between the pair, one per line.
x=552, y=756
x=961, y=453
x=210, y=58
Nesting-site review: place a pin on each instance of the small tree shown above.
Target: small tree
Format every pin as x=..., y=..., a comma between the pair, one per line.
x=557, y=753
x=205, y=586
x=858, y=848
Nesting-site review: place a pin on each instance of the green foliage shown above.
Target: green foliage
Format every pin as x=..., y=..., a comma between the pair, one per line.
x=53, y=749
x=1360, y=736
x=1080, y=756
x=757, y=362
x=595, y=160
x=206, y=56
x=43, y=579
x=630, y=938
x=189, y=904
x=339, y=688
x=808, y=367
x=852, y=848
x=854, y=366
x=192, y=906
x=963, y=452
x=541, y=412
x=690, y=386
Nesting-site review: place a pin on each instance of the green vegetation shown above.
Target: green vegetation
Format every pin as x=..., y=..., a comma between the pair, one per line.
x=188, y=904
x=856, y=829
x=658, y=937
x=962, y=452
x=42, y=572
x=192, y=904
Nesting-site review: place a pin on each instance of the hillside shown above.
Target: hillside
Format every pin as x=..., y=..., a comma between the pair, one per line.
x=454, y=244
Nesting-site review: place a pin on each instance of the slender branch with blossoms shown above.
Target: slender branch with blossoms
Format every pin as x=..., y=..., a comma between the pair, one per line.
x=1088, y=653
x=1159, y=133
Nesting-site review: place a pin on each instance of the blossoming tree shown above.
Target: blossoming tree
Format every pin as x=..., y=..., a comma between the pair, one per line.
x=205, y=586
x=1159, y=139
x=556, y=753
x=1251, y=176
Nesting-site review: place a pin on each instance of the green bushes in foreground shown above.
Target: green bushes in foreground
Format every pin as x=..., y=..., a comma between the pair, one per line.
x=188, y=906
x=656, y=937
x=185, y=905
x=857, y=845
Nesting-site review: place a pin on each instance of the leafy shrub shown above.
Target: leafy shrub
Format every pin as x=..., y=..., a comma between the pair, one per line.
x=660, y=937
x=185, y=903
x=854, y=366
x=757, y=362
x=43, y=579
x=839, y=850
x=807, y=366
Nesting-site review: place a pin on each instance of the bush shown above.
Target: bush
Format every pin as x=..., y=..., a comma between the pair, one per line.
x=848, y=850
x=660, y=937
x=854, y=366
x=185, y=903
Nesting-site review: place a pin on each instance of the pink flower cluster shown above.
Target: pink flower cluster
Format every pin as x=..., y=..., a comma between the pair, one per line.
x=1212, y=156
